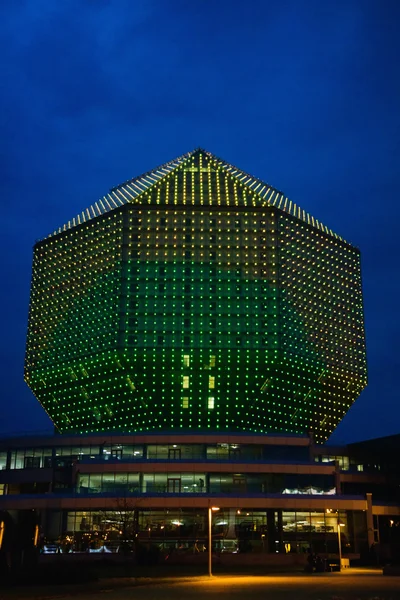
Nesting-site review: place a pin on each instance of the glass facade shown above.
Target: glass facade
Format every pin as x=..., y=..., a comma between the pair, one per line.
x=3, y=460
x=233, y=530
x=200, y=483
x=31, y=458
x=60, y=456
x=203, y=305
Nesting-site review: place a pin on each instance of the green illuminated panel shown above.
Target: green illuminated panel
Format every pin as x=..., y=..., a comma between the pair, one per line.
x=201, y=307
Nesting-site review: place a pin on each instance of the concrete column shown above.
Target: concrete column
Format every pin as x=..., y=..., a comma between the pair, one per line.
x=370, y=521
x=338, y=484
x=271, y=530
x=279, y=531
x=231, y=532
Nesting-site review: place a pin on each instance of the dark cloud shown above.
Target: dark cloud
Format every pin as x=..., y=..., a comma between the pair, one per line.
x=304, y=95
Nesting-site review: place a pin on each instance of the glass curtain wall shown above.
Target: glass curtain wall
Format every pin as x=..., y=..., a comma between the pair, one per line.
x=233, y=530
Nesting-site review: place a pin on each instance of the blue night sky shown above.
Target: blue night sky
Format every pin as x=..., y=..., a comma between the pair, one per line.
x=302, y=94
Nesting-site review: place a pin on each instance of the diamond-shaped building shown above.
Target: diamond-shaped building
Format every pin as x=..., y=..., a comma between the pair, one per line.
x=196, y=298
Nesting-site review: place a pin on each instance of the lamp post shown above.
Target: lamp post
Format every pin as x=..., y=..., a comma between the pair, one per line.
x=339, y=543
x=339, y=525
x=210, y=511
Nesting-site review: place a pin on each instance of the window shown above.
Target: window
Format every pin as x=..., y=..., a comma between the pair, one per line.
x=187, y=288
x=187, y=305
x=237, y=223
x=186, y=360
x=188, y=221
x=32, y=462
x=3, y=460
x=188, y=271
x=188, y=238
x=161, y=287
x=185, y=382
x=188, y=254
x=213, y=239
x=186, y=323
x=160, y=340
x=213, y=255
x=210, y=402
x=161, y=270
x=163, y=221
x=211, y=382
x=212, y=360
x=185, y=402
x=186, y=340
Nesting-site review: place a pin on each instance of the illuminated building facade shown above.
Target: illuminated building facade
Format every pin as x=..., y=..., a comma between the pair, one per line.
x=196, y=298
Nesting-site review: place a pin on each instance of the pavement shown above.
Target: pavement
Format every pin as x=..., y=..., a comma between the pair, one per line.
x=351, y=584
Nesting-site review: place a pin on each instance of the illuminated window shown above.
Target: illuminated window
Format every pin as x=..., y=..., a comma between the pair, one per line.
x=211, y=382
x=211, y=402
x=185, y=382
x=186, y=360
x=212, y=360
x=185, y=402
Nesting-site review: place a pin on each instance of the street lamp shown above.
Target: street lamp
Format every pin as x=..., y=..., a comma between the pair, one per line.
x=339, y=525
x=210, y=511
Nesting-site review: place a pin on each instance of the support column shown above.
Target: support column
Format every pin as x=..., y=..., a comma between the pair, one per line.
x=271, y=530
x=338, y=484
x=279, y=530
x=370, y=522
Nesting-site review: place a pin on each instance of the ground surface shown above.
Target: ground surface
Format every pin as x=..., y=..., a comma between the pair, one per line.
x=349, y=585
